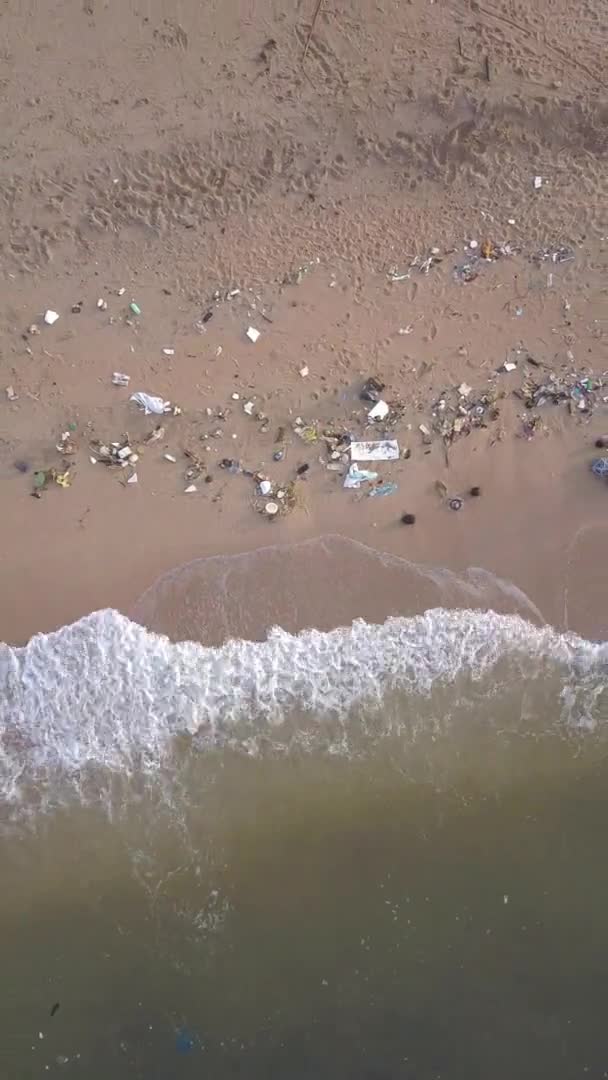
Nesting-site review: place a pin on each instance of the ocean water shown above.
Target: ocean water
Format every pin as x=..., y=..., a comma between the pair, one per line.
x=313, y=812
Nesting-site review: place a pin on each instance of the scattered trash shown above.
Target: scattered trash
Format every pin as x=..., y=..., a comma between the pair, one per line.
x=77, y=308
x=65, y=445
x=488, y=251
x=529, y=426
x=509, y=365
x=55, y=1008
x=134, y=308
x=22, y=466
x=559, y=254
x=396, y=275
x=464, y=389
x=308, y=433
x=248, y=408
x=379, y=411
x=371, y=390
x=355, y=477
x=302, y=470
x=384, y=489
x=41, y=478
x=63, y=479
x=408, y=519
x=151, y=404
x=169, y=457
x=102, y=304
x=599, y=467
x=304, y=371
x=576, y=390
x=278, y=455
x=441, y=489
x=33, y=329
x=116, y=454
x=602, y=442
x=132, y=479
x=10, y=393
x=455, y=504
x=208, y=315
x=265, y=487
x=271, y=509
x=121, y=291
x=409, y=329
x=190, y=489
x=538, y=182
x=473, y=244
x=475, y=492
x=253, y=334
x=454, y=415
x=120, y=379
x=154, y=436
x=168, y=352
x=50, y=317
x=230, y=465
x=383, y=450
x=466, y=272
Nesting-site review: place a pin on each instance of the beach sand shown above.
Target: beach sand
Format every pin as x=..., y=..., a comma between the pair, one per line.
x=166, y=159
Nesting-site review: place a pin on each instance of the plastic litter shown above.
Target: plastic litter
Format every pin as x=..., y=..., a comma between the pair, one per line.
x=304, y=371
x=271, y=508
x=253, y=334
x=168, y=352
x=538, y=182
x=379, y=411
x=169, y=457
x=265, y=487
x=599, y=467
x=248, y=408
x=381, y=450
x=50, y=317
x=102, y=304
x=10, y=393
x=151, y=404
x=455, y=504
x=190, y=490
x=356, y=476
x=134, y=308
x=132, y=479
x=120, y=379
x=384, y=489
x=371, y=390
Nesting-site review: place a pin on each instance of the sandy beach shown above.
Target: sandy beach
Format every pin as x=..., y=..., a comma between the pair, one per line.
x=415, y=193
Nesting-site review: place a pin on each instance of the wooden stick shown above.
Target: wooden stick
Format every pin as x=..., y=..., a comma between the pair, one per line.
x=312, y=26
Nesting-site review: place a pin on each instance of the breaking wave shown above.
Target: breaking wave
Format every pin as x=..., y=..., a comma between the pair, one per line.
x=107, y=694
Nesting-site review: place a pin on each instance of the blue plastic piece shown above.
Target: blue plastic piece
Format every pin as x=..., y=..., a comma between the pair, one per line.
x=600, y=467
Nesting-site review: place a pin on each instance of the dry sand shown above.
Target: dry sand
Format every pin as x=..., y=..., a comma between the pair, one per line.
x=173, y=155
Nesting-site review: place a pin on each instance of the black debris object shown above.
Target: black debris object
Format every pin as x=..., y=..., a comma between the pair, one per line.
x=372, y=390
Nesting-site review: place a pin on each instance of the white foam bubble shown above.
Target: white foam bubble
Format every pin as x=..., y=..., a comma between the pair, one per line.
x=105, y=692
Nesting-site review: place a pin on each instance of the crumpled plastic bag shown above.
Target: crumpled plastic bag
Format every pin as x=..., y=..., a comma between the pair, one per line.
x=151, y=404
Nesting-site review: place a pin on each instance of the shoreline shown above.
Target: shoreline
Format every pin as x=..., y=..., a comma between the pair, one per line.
x=103, y=542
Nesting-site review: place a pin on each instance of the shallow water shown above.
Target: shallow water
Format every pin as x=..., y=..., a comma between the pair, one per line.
x=372, y=852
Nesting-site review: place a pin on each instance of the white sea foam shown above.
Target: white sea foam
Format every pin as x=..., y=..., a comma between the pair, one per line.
x=105, y=692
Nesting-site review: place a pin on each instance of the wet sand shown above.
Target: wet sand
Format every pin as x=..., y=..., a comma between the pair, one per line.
x=174, y=159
